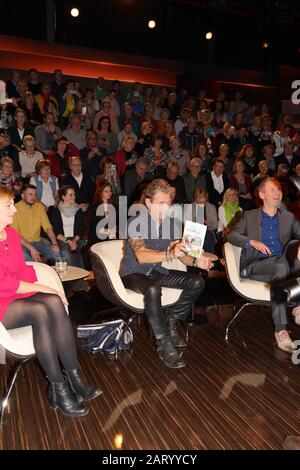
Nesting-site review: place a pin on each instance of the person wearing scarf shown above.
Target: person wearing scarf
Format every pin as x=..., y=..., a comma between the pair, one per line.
x=228, y=209
x=68, y=224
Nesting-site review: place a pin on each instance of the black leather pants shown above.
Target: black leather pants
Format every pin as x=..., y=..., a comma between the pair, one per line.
x=150, y=286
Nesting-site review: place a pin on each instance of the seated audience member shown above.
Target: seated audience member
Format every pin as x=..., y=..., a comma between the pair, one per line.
x=22, y=89
x=20, y=129
x=11, y=84
x=29, y=157
x=141, y=270
x=102, y=200
x=81, y=183
x=205, y=157
x=133, y=179
x=27, y=303
x=45, y=183
x=33, y=114
x=30, y=219
x=68, y=101
x=228, y=208
x=268, y=154
x=169, y=132
x=34, y=84
x=156, y=158
x=288, y=157
x=8, y=178
x=6, y=115
x=263, y=173
x=181, y=122
x=43, y=98
x=8, y=150
x=149, y=115
x=217, y=183
x=114, y=105
x=242, y=183
x=92, y=105
x=67, y=220
x=128, y=116
x=144, y=139
x=190, y=136
x=226, y=159
x=295, y=178
x=163, y=119
x=100, y=89
x=136, y=104
x=126, y=132
x=47, y=134
x=173, y=106
x=126, y=157
x=59, y=158
x=75, y=134
x=210, y=218
x=106, y=113
x=108, y=172
x=227, y=136
x=269, y=239
x=58, y=86
x=248, y=155
x=179, y=156
x=52, y=108
x=279, y=138
x=107, y=139
x=91, y=155
x=193, y=179
x=176, y=181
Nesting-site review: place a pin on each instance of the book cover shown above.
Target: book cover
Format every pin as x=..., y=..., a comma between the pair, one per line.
x=193, y=238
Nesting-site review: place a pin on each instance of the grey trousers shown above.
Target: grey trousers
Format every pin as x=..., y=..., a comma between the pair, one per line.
x=275, y=270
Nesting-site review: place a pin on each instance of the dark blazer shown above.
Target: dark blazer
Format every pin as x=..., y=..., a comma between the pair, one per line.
x=57, y=224
x=249, y=227
x=214, y=196
x=14, y=135
x=84, y=192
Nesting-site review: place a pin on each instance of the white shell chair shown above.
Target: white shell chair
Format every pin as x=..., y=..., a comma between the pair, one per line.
x=18, y=342
x=255, y=292
x=106, y=259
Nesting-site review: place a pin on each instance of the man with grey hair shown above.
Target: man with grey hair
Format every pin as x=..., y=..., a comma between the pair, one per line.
x=134, y=178
x=193, y=179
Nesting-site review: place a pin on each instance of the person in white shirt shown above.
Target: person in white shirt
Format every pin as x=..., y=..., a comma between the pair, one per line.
x=29, y=157
x=46, y=184
x=279, y=138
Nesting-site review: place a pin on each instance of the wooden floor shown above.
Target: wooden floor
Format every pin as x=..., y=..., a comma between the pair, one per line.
x=245, y=395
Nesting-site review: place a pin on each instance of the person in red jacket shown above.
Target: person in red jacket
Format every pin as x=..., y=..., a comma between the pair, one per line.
x=26, y=302
x=60, y=157
x=126, y=157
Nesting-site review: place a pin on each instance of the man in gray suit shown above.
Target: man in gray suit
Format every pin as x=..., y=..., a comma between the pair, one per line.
x=269, y=239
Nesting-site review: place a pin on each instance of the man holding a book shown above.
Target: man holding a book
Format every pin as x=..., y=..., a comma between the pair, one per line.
x=154, y=237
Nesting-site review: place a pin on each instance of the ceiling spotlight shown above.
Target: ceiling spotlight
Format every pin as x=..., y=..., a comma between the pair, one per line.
x=151, y=24
x=209, y=35
x=74, y=12
x=265, y=45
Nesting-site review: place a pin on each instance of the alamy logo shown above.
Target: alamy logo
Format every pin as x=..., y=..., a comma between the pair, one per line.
x=296, y=94
x=296, y=353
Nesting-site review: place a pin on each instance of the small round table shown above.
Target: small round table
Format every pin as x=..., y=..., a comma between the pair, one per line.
x=73, y=273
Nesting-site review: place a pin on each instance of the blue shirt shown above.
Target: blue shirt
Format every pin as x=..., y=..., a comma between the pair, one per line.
x=270, y=234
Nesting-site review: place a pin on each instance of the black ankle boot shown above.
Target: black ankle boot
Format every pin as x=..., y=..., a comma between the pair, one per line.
x=61, y=396
x=169, y=354
x=176, y=340
x=82, y=390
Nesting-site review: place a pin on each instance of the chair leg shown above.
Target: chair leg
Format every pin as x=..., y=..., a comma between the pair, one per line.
x=235, y=317
x=10, y=386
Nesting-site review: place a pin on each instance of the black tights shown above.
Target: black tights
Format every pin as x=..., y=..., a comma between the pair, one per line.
x=53, y=336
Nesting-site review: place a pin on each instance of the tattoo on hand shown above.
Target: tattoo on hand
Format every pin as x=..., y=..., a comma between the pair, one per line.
x=136, y=243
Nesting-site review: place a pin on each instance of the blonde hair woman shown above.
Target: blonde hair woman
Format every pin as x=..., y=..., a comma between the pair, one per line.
x=228, y=209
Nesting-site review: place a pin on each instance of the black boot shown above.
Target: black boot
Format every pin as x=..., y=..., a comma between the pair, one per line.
x=61, y=396
x=169, y=354
x=176, y=340
x=82, y=390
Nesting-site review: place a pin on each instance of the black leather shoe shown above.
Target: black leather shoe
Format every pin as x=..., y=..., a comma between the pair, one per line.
x=82, y=390
x=176, y=340
x=61, y=396
x=168, y=354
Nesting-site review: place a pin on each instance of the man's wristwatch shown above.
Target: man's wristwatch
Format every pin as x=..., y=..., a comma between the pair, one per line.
x=195, y=263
